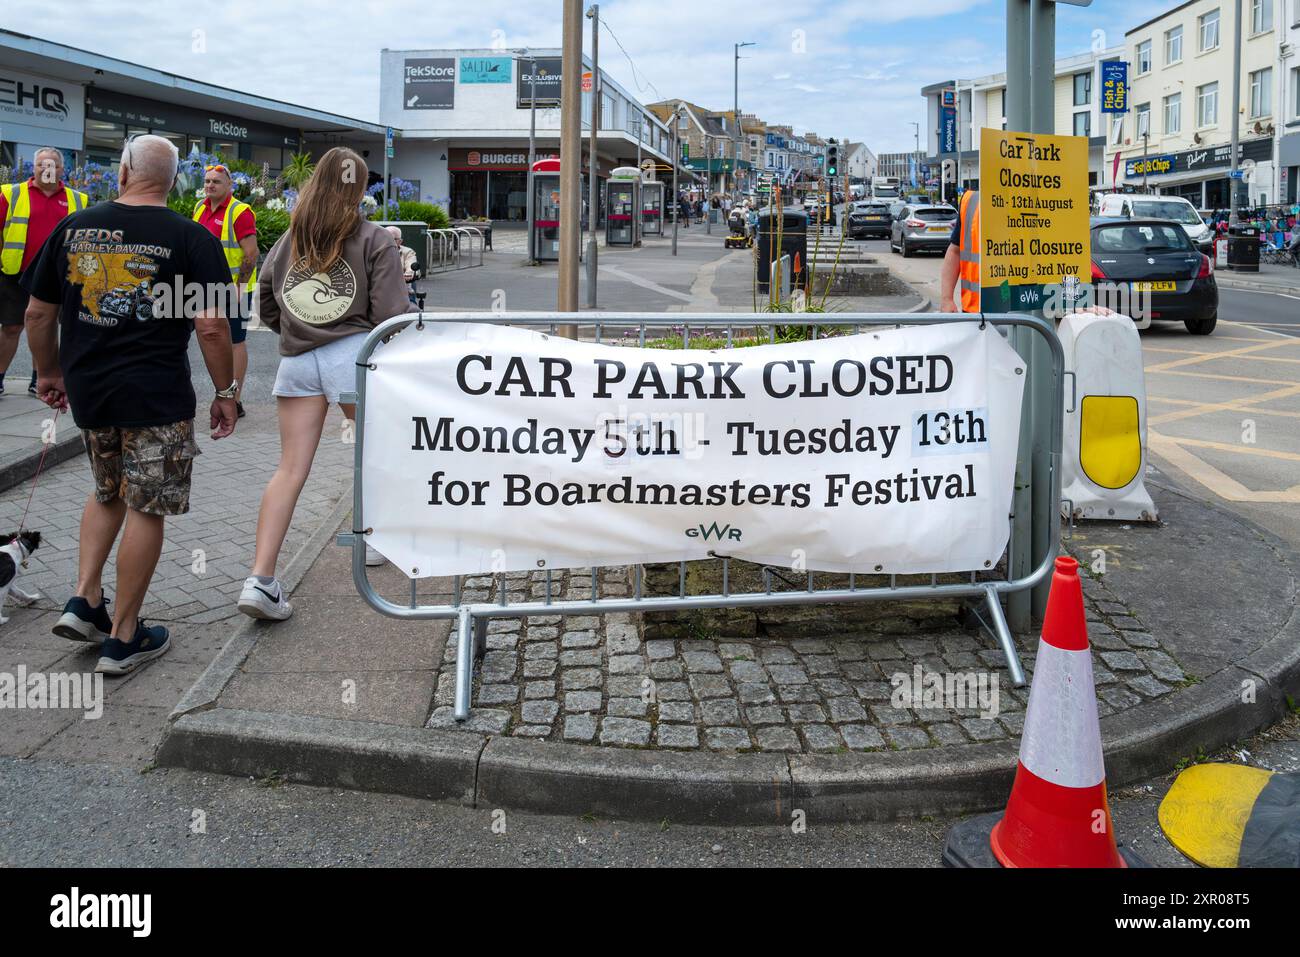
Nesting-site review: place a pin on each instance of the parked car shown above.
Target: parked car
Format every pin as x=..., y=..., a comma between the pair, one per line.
x=921, y=227
x=869, y=219
x=1172, y=208
x=1157, y=257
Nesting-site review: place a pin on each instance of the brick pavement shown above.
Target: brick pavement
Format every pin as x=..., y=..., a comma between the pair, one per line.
x=207, y=552
x=595, y=680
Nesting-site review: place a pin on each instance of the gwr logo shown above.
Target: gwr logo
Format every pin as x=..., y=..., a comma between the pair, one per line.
x=713, y=530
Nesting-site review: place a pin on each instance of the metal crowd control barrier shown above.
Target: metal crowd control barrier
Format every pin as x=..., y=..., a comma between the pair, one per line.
x=453, y=248
x=472, y=618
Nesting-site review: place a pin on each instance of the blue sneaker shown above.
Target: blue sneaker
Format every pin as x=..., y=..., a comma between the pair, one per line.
x=120, y=657
x=83, y=622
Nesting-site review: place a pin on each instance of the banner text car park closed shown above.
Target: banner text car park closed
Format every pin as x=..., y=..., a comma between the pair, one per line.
x=496, y=449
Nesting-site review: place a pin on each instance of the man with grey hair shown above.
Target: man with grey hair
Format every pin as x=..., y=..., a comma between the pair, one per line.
x=114, y=292
x=29, y=211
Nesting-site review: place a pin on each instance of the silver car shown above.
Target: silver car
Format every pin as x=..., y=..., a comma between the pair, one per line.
x=921, y=226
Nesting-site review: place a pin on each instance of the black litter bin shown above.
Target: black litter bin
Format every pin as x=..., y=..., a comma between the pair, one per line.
x=793, y=227
x=1243, y=248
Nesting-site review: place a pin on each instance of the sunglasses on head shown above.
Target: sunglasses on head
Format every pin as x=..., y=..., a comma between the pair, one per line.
x=220, y=166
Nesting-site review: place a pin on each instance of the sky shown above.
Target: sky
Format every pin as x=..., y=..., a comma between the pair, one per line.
x=851, y=69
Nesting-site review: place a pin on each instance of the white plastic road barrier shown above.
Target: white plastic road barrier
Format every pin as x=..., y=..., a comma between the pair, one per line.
x=1104, y=454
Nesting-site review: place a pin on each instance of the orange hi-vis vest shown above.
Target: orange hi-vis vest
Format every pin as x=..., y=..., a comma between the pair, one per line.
x=970, y=252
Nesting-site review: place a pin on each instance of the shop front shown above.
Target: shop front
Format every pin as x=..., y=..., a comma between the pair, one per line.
x=38, y=111
x=1201, y=176
x=113, y=117
x=491, y=181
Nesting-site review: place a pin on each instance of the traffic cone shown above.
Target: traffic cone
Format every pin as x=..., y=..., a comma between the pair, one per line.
x=1057, y=815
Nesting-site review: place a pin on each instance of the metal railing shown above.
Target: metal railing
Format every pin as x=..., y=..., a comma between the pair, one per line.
x=452, y=248
x=472, y=617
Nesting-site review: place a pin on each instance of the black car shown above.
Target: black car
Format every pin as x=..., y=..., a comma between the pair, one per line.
x=869, y=219
x=1150, y=267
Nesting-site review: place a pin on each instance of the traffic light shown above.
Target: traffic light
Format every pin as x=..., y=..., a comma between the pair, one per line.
x=832, y=160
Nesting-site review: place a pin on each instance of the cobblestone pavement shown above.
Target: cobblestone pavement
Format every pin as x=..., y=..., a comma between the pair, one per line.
x=207, y=552
x=594, y=680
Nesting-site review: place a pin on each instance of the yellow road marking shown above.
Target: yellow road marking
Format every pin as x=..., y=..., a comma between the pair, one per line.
x=1202, y=408
x=1213, y=375
x=1218, y=482
x=1233, y=405
x=1206, y=357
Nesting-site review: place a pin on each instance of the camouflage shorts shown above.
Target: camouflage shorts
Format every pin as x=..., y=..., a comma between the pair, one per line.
x=148, y=468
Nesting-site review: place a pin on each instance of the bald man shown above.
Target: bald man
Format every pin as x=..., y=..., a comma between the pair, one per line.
x=113, y=294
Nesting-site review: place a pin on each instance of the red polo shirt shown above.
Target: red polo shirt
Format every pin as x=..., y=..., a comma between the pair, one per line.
x=47, y=212
x=245, y=225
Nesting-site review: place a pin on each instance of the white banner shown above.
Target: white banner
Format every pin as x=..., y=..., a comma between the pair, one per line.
x=494, y=449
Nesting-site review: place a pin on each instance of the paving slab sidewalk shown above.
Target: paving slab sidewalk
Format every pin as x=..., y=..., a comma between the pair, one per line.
x=1194, y=632
x=32, y=436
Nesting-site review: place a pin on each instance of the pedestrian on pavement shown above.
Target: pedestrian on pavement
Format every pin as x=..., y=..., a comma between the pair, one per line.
x=684, y=208
x=409, y=264
x=325, y=284
x=962, y=261
x=29, y=211
x=114, y=294
x=235, y=225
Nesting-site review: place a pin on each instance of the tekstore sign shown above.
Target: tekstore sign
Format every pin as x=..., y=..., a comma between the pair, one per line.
x=41, y=111
x=151, y=114
x=1192, y=161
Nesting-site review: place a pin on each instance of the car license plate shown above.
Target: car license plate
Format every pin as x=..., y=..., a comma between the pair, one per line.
x=1163, y=286
x=940, y=229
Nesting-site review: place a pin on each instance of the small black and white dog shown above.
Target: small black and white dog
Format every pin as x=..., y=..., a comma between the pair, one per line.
x=13, y=559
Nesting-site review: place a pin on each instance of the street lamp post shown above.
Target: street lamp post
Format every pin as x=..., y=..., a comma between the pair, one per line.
x=532, y=146
x=1236, y=115
x=677, y=211
x=736, y=105
x=593, y=203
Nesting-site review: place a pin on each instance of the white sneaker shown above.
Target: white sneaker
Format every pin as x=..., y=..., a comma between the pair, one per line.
x=373, y=558
x=264, y=601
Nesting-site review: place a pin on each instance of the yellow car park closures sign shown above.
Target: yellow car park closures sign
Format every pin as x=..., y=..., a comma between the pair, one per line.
x=1034, y=218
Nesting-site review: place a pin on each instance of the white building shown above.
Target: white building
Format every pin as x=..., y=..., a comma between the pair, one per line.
x=464, y=120
x=981, y=102
x=1288, y=98
x=860, y=162
x=1177, y=136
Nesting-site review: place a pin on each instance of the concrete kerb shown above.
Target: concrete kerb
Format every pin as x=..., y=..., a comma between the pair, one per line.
x=1235, y=282
x=736, y=789
x=21, y=467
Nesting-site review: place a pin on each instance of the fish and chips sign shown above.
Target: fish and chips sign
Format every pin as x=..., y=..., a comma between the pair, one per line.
x=1035, y=242
x=491, y=449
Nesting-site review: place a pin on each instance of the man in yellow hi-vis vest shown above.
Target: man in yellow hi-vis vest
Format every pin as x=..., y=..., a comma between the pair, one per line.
x=235, y=225
x=962, y=262
x=29, y=211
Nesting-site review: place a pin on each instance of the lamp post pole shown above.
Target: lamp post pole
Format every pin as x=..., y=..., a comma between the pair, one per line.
x=593, y=203
x=677, y=209
x=570, y=163
x=532, y=148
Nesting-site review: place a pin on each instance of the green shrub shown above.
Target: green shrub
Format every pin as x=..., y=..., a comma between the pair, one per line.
x=413, y=211
x=271, y=225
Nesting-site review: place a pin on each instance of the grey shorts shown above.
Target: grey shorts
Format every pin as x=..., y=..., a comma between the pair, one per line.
x=327, y=370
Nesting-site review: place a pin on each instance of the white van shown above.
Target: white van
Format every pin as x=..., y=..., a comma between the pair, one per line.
x=1172, y=208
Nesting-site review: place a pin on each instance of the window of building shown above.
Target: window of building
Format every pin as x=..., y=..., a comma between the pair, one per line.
x=1261, y=16
x=1143, y=119
x=1261, y=93
x=270, y=155
x=1295, y=87
x=1082, y=89
x=1209, y=26
x=1207, y=105
x=1173, y=45
x=1082, y=123
x=1174, y=113
x=1117, y=130
x=1144, y=57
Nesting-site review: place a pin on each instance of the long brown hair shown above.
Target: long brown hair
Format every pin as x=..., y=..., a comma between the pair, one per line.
x=327, y=213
